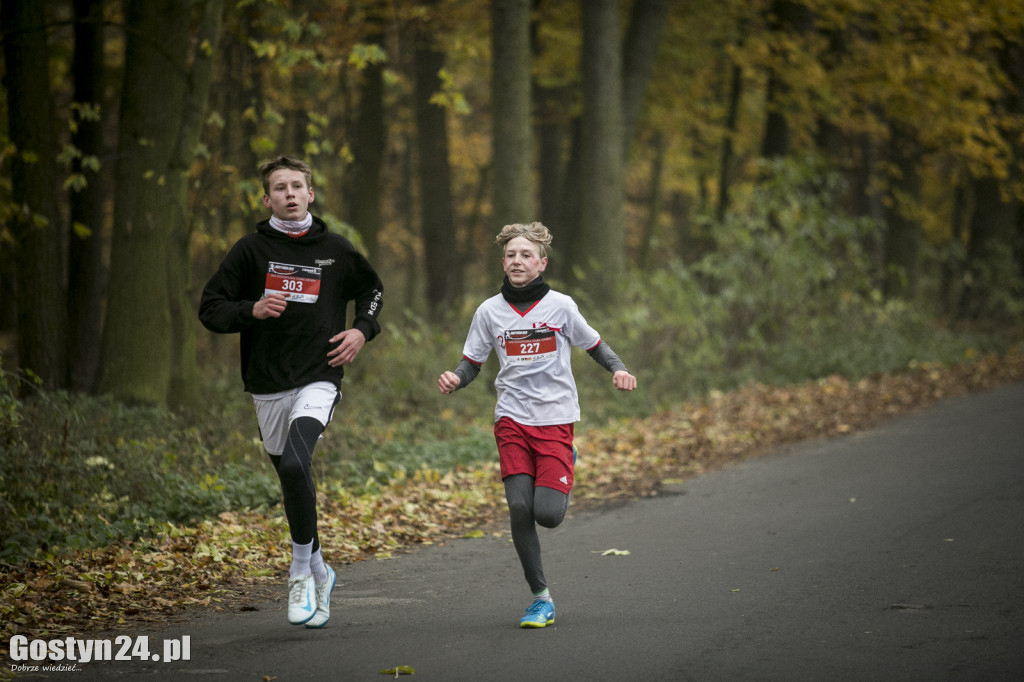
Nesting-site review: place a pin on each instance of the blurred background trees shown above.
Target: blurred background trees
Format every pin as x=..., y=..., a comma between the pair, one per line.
x=680, y=145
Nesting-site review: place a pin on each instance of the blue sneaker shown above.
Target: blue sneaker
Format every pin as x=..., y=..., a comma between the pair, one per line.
x=301, y=599
x=323, y=601
x=539, y=614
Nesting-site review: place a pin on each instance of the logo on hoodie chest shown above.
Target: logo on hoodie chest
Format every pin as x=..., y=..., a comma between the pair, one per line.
x=300, y=283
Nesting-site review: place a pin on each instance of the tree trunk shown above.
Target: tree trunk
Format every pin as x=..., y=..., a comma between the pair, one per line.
x=993, y=274
x=731, y=117
x=184, y=386
x=903, y=232
x=952, y=265
x=784, y=17
x=991, y=270
x=37, y=227
x=655, y=204
x=552, y=144
x=147, y=352
x=601, y=238
x=239, y=87
x=776, y=129
x=639, y=52
x=86, y=271
x=510, y=105
x=369, y=142
x=436, y=205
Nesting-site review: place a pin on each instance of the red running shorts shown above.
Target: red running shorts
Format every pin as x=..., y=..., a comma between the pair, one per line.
x=544, y=452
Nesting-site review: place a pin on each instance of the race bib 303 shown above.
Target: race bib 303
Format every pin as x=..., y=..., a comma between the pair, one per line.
x=300, y=282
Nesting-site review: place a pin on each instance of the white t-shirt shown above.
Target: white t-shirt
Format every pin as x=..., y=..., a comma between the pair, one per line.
x=535, y=383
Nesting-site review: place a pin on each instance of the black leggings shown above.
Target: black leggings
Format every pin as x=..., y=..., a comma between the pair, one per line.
x=297, y=488
x=529, y=505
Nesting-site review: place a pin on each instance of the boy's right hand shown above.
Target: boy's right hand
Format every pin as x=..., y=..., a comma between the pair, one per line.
x=270, y=306
x=448, y=382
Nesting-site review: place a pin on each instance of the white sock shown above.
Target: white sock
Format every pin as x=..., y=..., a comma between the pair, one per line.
x=300, y=559
x=545, y=595
x=318, y=568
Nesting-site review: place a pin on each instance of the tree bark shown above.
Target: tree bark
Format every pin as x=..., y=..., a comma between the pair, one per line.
x=37, y=227
x=86, y=270
x=784, y=17
x=655, y=203
x=903, y=232
x=553, y=137
x=510, y=104
x=436, y=205
x=369, y=142
x=993, y=272
x=147, y=353
x=239, y=87
x=184, y=382
x=601, y=237
x=731, y=117
x=639, y=53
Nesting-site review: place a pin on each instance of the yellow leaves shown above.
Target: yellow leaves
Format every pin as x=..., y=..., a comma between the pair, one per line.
x=427, y=476
x=449, y=97
x=207, y=552
x=365, y=54
x=15, y=590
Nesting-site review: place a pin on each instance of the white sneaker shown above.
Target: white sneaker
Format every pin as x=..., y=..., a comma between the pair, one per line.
x=301, y=599
x=323, y=601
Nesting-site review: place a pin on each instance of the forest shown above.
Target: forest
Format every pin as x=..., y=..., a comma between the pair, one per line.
x=740, y=191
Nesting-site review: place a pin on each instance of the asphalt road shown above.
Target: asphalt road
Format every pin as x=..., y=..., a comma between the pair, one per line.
x=893, y=554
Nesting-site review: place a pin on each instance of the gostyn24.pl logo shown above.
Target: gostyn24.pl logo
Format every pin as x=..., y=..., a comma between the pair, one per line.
x=34, y=655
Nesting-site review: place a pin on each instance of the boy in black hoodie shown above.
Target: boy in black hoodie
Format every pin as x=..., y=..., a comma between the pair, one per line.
x=285, y=288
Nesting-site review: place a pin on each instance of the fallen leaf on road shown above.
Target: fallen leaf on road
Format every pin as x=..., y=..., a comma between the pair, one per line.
x=398, y=670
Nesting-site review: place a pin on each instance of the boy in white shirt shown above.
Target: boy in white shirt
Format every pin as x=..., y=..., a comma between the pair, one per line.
x=532, y=329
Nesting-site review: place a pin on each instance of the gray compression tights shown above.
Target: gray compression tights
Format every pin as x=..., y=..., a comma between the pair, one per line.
x=527, y=506
x=298, y=491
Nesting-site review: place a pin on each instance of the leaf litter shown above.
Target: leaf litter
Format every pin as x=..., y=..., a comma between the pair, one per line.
x=239, y=559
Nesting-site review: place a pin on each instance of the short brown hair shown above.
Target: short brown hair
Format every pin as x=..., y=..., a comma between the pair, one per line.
x=535, y=232
x=288, y=162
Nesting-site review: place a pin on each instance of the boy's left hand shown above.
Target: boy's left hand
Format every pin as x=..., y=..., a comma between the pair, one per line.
x=624, y=381
x=350, y=342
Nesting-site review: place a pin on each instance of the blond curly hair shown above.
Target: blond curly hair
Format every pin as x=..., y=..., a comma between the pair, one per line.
x=535, y=232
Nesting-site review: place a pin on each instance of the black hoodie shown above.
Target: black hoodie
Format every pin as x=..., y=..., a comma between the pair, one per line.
x=323, y=272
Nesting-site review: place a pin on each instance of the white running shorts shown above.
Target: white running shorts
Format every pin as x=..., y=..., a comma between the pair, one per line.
x=275, y=412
